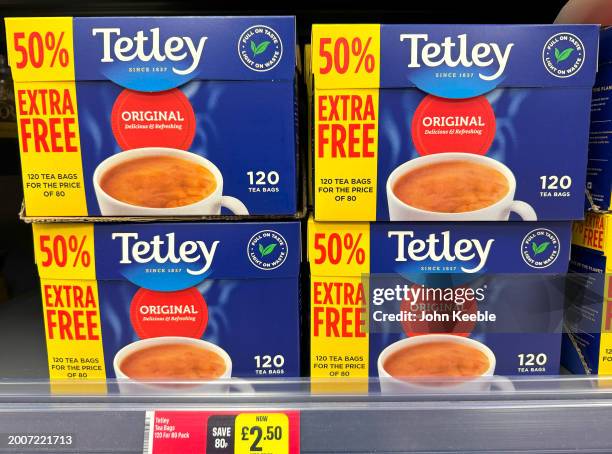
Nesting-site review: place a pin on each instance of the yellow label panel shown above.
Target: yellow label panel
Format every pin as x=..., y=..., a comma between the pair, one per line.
x=339, y=255
x=339, y=340
x=40, y=48
x=605, y=354
x=346, y=71
x=346, y=56
x=41, y=57
x=345, y=154
x=72, y=327
x=49, y=141
x=593, y=232
x=262, y=433
x=65, y=251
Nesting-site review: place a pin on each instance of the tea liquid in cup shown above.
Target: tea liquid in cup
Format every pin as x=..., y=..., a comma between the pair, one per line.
x=437, y=363
x=454, y=186
x=173, y=361
x=158, y=182
x=442, y=359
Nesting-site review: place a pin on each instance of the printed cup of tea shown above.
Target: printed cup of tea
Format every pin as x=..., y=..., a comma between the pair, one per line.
x=454, y=187
x=161, y=182
x=439, y=363
x=175, y=364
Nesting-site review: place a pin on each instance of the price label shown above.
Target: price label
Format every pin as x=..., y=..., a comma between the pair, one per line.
x=198, y=432
x=262, y=432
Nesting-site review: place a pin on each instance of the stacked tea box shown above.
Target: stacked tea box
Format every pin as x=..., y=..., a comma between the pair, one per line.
x=133, y=122
x=599, y=169
x=587, y=341
x=448, y=164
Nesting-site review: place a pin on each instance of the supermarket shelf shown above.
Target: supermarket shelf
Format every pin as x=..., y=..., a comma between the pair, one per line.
x=303, y=391
x=546, y=414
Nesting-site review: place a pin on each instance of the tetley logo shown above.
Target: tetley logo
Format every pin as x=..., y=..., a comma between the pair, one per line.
x=441, y=248
x=149, y=46
x=458, y=52
x=196, y=256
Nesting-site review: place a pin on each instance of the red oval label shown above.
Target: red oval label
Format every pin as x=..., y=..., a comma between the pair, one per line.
x=442, y=125
x=437, y=316
x=181, y=313
x=160, y=119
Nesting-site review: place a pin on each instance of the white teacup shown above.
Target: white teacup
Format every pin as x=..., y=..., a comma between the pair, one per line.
x=482, y=383
x=219, y=385
x=499, y=211
x=209, y=205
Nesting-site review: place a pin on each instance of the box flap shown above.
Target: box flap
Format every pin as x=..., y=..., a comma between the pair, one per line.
x=158, y=53
x=454, y=61
x=422, y=250
x=605, y=45
x=168, y=256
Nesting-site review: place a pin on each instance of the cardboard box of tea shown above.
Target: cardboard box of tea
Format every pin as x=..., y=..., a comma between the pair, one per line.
x=587, y=340
x=451, y=122
x=414, y=299
x=599, y=171
x=180, y=301
x=156, y=116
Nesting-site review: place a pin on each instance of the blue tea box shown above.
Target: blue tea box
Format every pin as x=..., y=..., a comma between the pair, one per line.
x=451, y=122
x=587, y=337
x=156, y=116
x=379, y=288
x=599, y=169
x=115, y=293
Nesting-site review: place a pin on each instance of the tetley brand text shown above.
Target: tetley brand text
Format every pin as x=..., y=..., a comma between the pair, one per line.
x=456, y=53
x=160, y=251
x=175, y=48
